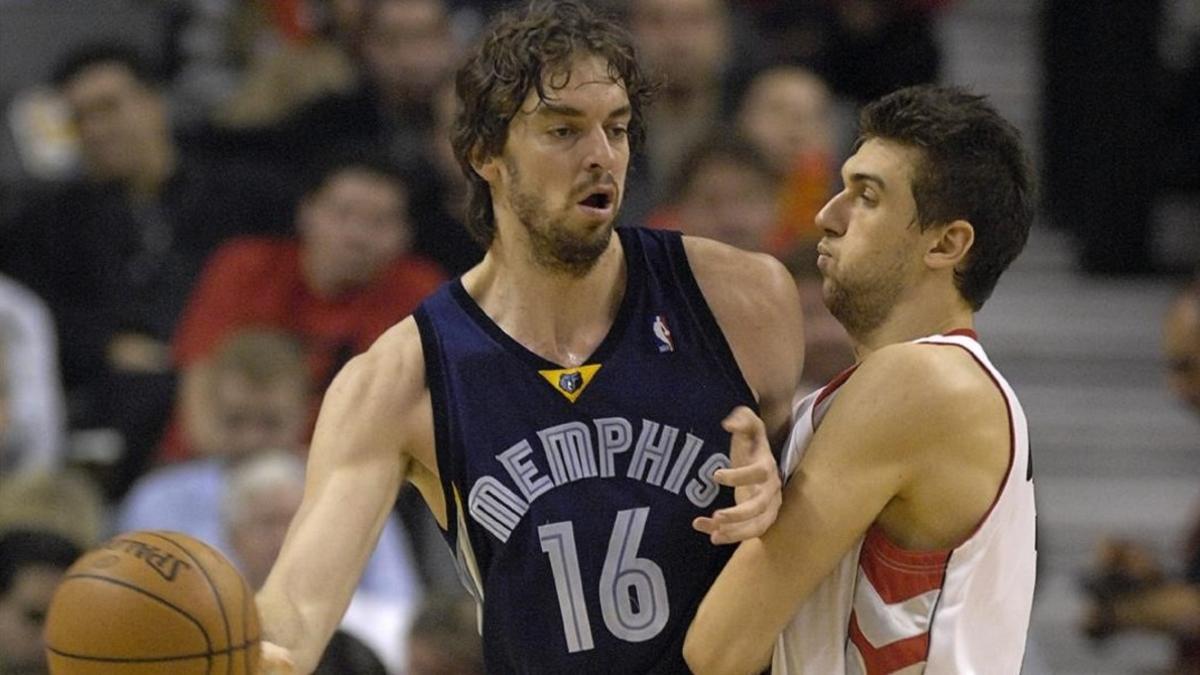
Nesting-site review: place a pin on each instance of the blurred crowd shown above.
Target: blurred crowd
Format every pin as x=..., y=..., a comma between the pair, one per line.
x=200, y=234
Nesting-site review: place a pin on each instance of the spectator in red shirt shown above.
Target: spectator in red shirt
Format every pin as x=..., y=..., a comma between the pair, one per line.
x=345, y=280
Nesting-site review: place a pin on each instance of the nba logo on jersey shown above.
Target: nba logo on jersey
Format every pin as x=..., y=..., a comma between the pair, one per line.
x=662, y=334
x=569, y=382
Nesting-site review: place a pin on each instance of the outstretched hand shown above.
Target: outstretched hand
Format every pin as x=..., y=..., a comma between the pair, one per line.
x=754, y=477
x=276, y=660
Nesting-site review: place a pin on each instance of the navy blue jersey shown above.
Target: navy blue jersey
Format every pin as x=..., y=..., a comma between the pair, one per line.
x=571, y=491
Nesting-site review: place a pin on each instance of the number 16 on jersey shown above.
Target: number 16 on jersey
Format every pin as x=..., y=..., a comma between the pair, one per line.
x=633, y=591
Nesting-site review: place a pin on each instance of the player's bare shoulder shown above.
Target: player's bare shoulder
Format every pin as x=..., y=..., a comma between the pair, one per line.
x=940, y=374
x=755, y=302
x=939, y=380
x=740, y=284
x=933, y=395
x=383, y=392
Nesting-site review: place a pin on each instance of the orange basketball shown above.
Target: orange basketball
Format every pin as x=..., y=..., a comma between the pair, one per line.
x=153, y=603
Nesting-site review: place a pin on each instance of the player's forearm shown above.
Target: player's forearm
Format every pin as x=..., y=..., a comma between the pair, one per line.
x=732, y=653
x=284, y=624
x=302, y=604
x=326, y=550
x=728, y=634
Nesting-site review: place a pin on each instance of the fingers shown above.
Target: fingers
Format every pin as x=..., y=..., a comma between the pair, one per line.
x=747, y=430
x=705, y=524
x=275, y=660
x=722, y=528
x=748, y=509
x=749, y=452
x=747, y=529
x=754, y=474
x=746, y=520
x=755, y=478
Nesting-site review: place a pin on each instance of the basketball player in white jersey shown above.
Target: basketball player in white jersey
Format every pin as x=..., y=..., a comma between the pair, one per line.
x=905, y=543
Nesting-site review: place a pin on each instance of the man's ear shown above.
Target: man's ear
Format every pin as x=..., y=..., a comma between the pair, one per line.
x=488, y=168
x=950, y=244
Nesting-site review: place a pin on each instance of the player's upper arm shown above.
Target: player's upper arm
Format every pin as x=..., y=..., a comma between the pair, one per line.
x=371, y=407
x=755, y=301
x=868, y=448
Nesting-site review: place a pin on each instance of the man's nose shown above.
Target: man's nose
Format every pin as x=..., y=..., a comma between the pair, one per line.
x=831, y=219
x=600, y=152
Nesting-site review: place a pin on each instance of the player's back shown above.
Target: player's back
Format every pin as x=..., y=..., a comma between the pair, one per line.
x=571, y=491
x=886, y=609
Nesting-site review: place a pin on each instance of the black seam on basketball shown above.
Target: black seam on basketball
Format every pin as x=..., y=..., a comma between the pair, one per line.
x=151, y=659
x=211, y=586
x=246, y=623
x=126, y=584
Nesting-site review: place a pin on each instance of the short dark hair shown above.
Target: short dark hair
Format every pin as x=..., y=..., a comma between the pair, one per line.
x=355, y=157
x=517, y=51
x=100, y=53
x=22, y=548
x=972, y=167
x=721, y=143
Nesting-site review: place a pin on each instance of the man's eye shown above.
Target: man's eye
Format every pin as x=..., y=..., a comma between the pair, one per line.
x=562, y=132
x=619, y=132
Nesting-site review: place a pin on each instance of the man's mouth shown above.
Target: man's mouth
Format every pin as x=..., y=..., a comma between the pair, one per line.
x=597, y=200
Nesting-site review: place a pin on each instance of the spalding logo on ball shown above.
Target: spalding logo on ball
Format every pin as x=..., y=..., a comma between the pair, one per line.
x=153, y=603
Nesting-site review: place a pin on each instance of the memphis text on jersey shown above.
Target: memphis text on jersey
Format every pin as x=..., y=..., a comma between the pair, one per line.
x=610, y=447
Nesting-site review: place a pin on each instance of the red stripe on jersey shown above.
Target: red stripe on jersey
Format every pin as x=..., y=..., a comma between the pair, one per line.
x=890, y=657
x=898, y=574
x=833, y=385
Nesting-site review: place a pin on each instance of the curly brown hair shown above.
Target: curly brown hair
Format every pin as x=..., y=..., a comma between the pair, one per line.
x=520, y=51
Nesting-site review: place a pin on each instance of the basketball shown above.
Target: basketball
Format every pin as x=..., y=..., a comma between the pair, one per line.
x=151, y=603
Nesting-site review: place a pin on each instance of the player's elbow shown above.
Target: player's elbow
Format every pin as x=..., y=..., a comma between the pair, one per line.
x=710, y=656
x=701, y=658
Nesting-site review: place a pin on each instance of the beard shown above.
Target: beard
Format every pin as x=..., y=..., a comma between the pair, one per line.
x=862, y=303
x=554, y=245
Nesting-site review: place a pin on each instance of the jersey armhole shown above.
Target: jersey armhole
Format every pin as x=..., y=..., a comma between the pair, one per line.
x=1012, y=435
x=439, y=399
x=711, y=333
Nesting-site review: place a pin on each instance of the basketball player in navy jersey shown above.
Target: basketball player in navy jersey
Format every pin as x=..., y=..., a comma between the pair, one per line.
x=564, y=408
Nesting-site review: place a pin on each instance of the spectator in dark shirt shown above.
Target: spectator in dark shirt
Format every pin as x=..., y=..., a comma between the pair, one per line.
x=115, y=254
x=405, y=50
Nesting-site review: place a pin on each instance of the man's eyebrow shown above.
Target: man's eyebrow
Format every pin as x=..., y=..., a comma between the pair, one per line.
x=867, y=178
x=548, y=108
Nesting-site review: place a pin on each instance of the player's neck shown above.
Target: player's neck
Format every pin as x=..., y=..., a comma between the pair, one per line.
x=916, y=316
x=559, y=316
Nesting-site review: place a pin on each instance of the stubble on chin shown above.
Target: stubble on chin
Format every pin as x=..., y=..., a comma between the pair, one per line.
x=861, y=306
x=554, y=246
x=557, y=250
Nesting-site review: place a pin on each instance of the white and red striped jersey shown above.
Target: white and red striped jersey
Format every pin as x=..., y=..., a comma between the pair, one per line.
x=885, y=609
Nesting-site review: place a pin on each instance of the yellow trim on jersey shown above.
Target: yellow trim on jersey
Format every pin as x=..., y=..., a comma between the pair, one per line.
x=570, y=388
x=466, y=554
